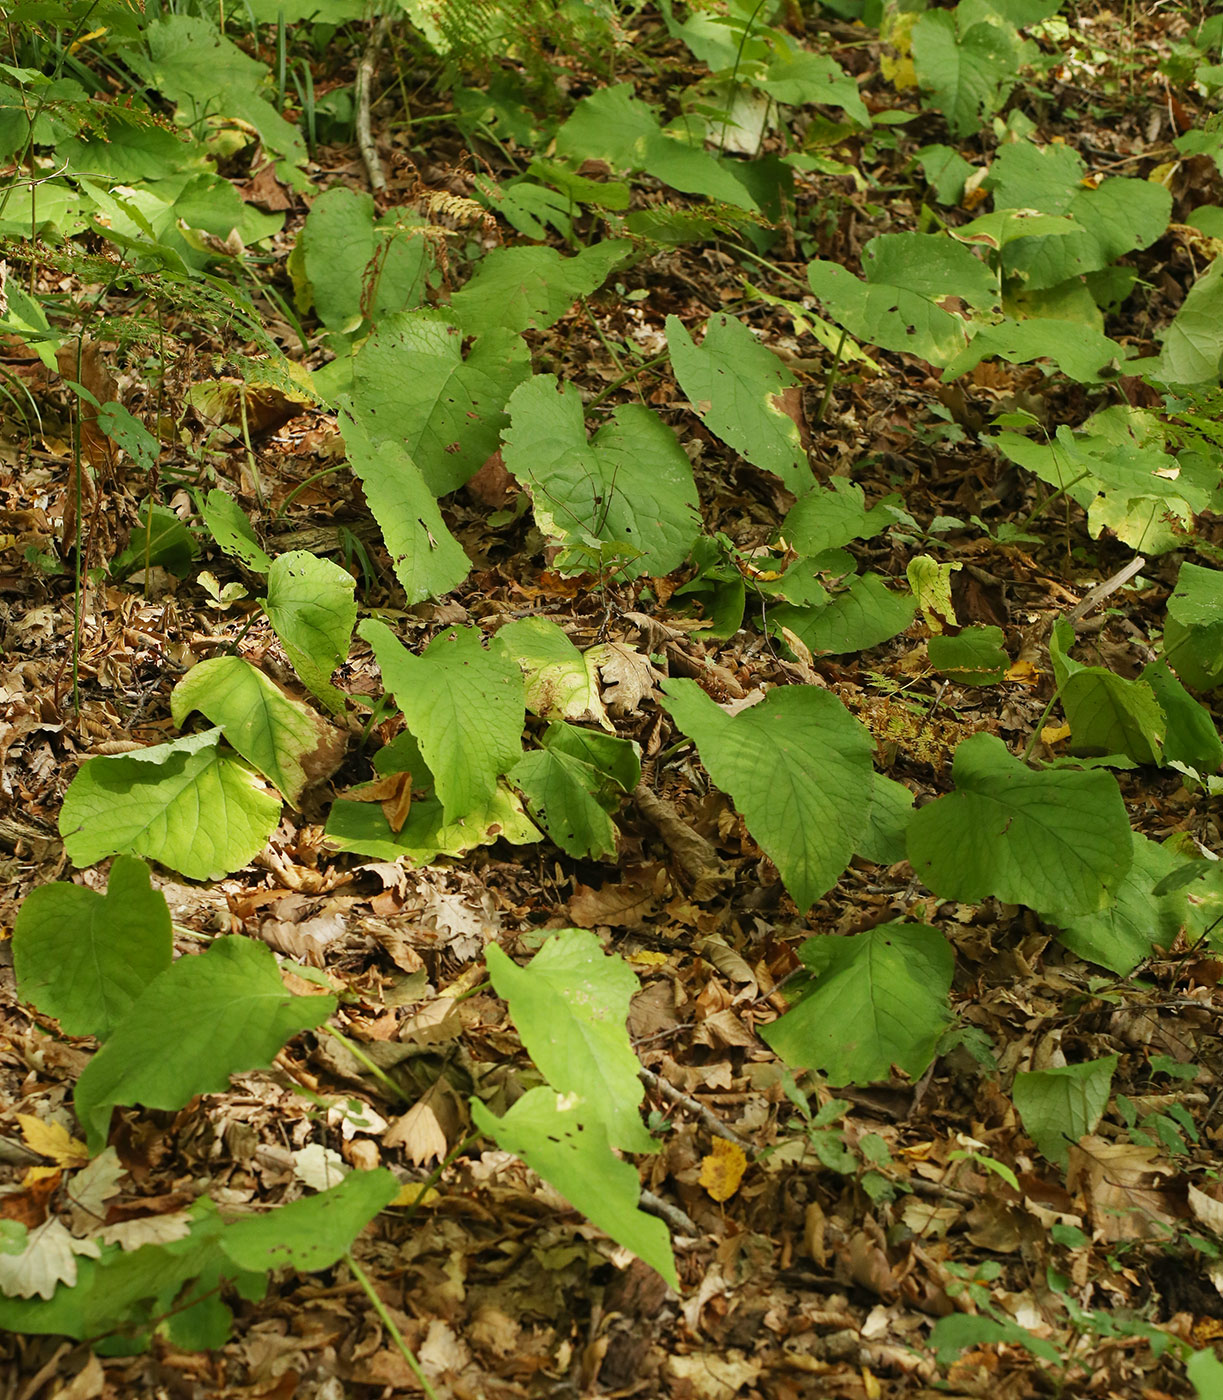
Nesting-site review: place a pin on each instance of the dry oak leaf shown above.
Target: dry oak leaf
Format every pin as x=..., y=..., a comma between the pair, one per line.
x=722, y=1170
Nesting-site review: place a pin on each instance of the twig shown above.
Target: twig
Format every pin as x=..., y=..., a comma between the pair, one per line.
x=678, y=1097
x=671, y=1214
x=366, y=69
x=1095, y=596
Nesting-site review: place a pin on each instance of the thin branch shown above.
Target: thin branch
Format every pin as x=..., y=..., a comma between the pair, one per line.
x=682, y=1100
x=366, y=69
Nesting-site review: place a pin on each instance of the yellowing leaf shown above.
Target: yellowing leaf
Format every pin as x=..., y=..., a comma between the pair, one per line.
x=1054, y=734
x=415, y=1193
x=52, y=1140
x=722, y=1170
x=1023, y=673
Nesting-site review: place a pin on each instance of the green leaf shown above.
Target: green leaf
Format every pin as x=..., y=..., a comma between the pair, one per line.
x=314, y=1232
x=970, y=74
x=735, y=385
x=188, y=804
x=862, y=615
x=275, y=734
x=961, y=1332
x=889, y=316
x=414, y=386
x=1193, y=344
x=1191, y=736
x=632, y=485
x=615, y=759
x=613, y=125
x=531, y=288
x=1107, y=714
x=1082, y=352
x=561, y=794
x=312, y=607
x=974, y=657
x=932, y=265
x=1205, y=1372
x=571, y=1005
x=891, y=811
x=202, y=72
x=1197, y=599
x=880, y=999
x=796, y=76
x=560, y=682
x=209, y=1017
x=427, y=834
x=84, y=957
x=337, y=246
x=833, y=516
x=230, y=526
x=129, y=433
x=160, y=539
x=572, y=1152
x=427, y=559
x=464, y=705
x=798, y=767
x=1058, y=1106
x=1121, y=937
x=1057, y=841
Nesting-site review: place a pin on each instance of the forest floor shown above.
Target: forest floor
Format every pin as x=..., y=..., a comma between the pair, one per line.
x=860, y=1218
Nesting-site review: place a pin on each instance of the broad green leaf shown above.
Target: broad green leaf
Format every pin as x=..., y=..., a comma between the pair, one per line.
x=414, y=386
x=615, y=759
x=230, y=526
x=613, y=125
x=337, y=246
x=282, y=739
x=312, y=607
x=129, y=433
x=1197, y=599
x=1107, y=713
x=560, y=682
x=1193, y=344
x=1083, y=353
x=159, y=539
x=891, y=810
x=974, y=657
x=891, y=317
x=464, y=705
x=1054, y=840
x=560, y=793
x=879, y=999
x=188, y=804
x=1002, y=227
x=84, y=957
x=798, y=767
x=314, y=1232
x=1120, y=937
x=833, y=516
x=960, y=1332
x=1116, y=218
x=427, y=559
x=1195, y=654
x=796, y=76
x=1058, y=1106
x=631, y=485
x=933, y=265
x=571, y=1152
x=1205, y=1372
x=969, y=75
x=1058, y=841
x=1191, y=736
x=571, y=1005
x=522, y=289
x=863, y=615
x=427, y=834
x=1024, y=175
x=209, y=1017
x=201, y=71
x=736, y=384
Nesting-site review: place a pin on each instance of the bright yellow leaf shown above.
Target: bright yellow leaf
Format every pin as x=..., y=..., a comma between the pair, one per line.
x=722, y=1170
x=52, y=1140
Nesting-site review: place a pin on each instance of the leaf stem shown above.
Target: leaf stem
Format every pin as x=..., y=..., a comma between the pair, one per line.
x=388, y=1322
x=652, y=363
x=362, y=1058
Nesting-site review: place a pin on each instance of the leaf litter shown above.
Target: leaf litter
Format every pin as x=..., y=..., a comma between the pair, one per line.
x=860, y=1214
